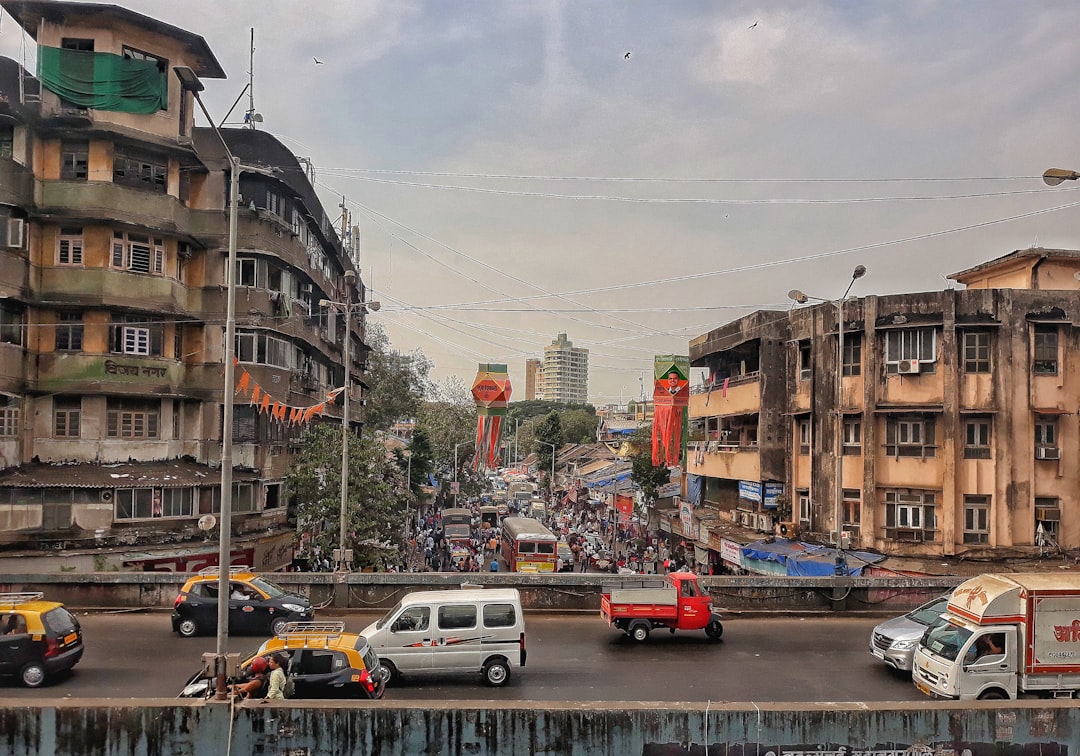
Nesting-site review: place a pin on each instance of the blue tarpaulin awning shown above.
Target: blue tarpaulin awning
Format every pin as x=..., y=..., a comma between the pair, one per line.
x=807, y=559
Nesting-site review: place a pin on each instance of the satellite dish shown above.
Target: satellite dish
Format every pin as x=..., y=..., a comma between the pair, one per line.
x=207, y=522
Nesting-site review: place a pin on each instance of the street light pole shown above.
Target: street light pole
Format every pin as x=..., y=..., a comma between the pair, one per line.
x=190, y=82
x=551, y=481
x=801, y=298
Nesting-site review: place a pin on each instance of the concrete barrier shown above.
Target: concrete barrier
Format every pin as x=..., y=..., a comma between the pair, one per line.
x=560, y=592
x=436, y=727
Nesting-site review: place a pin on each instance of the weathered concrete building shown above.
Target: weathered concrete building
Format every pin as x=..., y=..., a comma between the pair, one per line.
x=113, y=212
x=958, y=435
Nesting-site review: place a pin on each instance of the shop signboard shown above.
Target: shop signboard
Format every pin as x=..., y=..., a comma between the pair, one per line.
x=773, y=491
x=731, y=552
x=686, y=518
x=750, y=490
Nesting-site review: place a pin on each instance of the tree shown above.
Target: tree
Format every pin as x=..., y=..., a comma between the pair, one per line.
x=548, y=440
x=578, y=426
x=644, y=473
x=377, y=497
x=421, y=460
x=448, y=417
x=397, y=381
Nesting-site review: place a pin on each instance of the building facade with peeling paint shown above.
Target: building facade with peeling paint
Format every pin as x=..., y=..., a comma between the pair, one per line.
x=113, y=288
x=960, y=431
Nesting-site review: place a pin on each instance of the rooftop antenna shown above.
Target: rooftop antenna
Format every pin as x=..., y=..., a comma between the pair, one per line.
x=251, y=117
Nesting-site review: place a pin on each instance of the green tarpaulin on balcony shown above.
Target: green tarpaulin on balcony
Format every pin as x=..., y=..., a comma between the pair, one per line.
x=103, y=81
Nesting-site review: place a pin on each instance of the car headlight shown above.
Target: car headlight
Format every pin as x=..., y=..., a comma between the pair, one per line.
x=294, y=608
x=903, y=645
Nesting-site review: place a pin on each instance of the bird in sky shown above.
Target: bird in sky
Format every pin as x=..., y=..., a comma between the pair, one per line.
x=627, y=56
x=751, y=26
x=317, y=61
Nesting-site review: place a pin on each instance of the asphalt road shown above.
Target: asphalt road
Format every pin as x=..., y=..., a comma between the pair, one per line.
x=571, y=658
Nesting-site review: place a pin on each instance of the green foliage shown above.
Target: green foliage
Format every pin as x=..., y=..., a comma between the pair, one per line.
x=448, y=418
x=578, y=426
x=644, y=473
x=531, y=408
x=396, y=381
x=377, y=499
x=549, y=431
x=422, y=459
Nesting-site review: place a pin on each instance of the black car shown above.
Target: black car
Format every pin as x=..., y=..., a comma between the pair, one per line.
x=257, y=606
x=39, y=639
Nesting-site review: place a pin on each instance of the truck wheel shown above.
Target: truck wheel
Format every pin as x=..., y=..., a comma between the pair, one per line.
x=188, y=627
x=994, y=694
x=640, y=632
x=714, y=630
x=496, y=673
x=33, y=675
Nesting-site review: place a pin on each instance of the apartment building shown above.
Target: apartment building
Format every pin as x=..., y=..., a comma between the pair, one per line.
x=565, y=373
x=534, y=371
x=113, y=290
x=959, y=434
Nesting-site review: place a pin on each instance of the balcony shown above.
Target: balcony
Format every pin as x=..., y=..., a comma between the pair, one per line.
x=109, y=287
x=16, y=184
x=742, y=396
x=104, y=373
x=113, y=203
x=716, y=460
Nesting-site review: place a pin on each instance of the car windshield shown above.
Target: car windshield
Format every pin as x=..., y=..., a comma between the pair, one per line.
x=945, y=639
x=386, y=617
x=927, y=613
x=273, y=590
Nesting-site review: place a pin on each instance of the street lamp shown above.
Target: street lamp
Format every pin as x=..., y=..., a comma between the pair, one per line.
x=190, y=82
x=551, y=482
x=801, y=298
x=1054, y=176
x=346, y=308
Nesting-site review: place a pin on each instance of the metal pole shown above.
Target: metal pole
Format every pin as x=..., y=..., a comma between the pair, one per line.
x=840, y=436
x=224, y=546
x=455, y=474
x=347, y=310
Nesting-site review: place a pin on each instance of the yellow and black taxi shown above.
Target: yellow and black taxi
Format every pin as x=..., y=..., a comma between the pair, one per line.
x=324, y=662
x=39, y=639
x=257, y=606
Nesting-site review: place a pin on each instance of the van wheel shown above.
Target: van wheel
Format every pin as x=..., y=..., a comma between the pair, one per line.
x=640, y=632
x=277, y=625
x=33, y=675
x=496, y=673
x=188, y=628
x=389, y=672
x=714, y=630
x=994, y=694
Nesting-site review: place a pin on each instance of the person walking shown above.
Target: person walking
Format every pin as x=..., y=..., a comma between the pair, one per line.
x=277, y=663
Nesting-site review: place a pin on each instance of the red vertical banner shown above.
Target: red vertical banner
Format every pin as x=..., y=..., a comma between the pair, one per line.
x=491, y=391
x=671, y=398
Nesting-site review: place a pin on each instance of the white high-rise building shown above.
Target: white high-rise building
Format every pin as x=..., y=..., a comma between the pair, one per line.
x=565, y=376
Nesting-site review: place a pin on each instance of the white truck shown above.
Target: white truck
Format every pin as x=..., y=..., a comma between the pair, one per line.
x=1004, y=636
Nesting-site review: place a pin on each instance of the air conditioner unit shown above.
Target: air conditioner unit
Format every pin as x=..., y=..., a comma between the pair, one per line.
x=1047, y=452
x=765, y=523
x=908, y=367
x=745, y=519
x=106, y=495
x=789, y=529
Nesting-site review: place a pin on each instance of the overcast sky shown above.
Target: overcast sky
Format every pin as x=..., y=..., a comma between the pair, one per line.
x=516, y=174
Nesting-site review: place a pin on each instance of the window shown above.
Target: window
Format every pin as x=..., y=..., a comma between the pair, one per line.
x=243, y=499
x=263, y=349
x=69, y=332
x=805, y=361
x=138, y=253
x=11, y=324
x=67, y=413
x=141, y=171
x=909, y=437
x=1045, y=433
x=74, y=160
x=69, y=247
x=976, y=352
x=74, y=43
x=915, y=344
x=177, y=502
x=976, y=519
x=412, y=619
x=7, y=141
x=1047, y=517
x=9, y=416
x=804, y=436
x=852, y=509
x=246, y=271
x=1046, y=350
x=137, y=336
x=977, y=438
x=852, y=354
x=130, y=418
x=499, y=615
x=909, y=514
x=135, y=503
x=852, y=436
x=457, y=617
x=804, y=506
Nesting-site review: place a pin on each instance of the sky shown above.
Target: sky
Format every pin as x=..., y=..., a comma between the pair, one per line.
x=635, y=174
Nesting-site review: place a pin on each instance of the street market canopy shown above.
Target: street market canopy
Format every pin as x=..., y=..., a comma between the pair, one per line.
x=807, y=559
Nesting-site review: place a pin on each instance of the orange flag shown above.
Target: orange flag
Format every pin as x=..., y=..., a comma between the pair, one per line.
x=242, y=386
x=255, y=392
x=295, y=413
x=264, y=405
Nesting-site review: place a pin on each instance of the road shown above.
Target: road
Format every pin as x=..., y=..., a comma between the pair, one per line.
x=571, y=658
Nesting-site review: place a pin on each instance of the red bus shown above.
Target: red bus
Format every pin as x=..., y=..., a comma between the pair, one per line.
x=527, y=546
x=457, y=524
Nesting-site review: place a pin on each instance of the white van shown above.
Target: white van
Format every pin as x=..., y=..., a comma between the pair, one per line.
x=467, y=630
